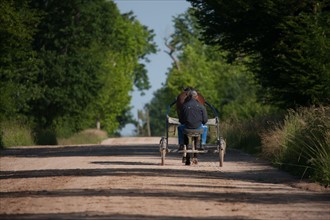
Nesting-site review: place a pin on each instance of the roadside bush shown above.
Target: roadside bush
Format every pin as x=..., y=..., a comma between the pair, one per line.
x=45, y=137
x=301, y=144
x=245, y=135
x=15, y=133
x=298, y=142
x=89, y=136
x=241, y=136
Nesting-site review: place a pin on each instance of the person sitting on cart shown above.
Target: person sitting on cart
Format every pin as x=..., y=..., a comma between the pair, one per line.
x=193, y=115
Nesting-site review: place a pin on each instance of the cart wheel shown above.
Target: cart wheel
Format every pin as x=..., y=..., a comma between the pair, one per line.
x=163, y=154
x=163, y=150
x=187, y=160
x=222, y=149
x=221, y=157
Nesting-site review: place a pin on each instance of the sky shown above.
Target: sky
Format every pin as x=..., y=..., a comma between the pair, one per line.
x=157, y=15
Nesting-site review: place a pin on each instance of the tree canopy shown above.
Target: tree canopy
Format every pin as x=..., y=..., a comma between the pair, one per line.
x=288, y=41
x=71, y=62
x=17, y=59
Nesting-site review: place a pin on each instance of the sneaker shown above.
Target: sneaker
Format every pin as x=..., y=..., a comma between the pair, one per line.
x=181, y=147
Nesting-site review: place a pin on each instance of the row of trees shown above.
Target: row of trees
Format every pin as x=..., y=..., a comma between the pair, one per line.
x=248, y=57
x=71, y=63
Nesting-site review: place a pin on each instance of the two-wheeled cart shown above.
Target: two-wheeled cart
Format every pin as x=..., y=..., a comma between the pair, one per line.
x=189, y=153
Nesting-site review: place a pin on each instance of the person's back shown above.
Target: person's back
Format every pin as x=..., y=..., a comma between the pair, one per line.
x=193, y=114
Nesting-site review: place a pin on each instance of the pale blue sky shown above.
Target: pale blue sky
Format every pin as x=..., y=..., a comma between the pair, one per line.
x=157, y=15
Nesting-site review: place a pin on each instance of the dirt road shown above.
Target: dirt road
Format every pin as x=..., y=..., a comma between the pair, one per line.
x=123, y=179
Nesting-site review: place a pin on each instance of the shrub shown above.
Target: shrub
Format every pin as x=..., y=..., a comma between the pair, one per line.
x=301, y=144
x=89, y=136
x=15, y=133
x=45, y=137
x=245, y=135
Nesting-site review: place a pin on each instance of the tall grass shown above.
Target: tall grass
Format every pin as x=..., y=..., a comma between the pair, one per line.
x=300, y=145
x=15, y=133
x=20, y=133
x=89, y=136
x=298, y=142
x=245, y=135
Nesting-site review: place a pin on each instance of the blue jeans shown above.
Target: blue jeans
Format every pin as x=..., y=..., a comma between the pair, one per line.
x=180, y=133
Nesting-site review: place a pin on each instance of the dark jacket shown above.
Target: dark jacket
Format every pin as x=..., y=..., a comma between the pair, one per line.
x=193, y=114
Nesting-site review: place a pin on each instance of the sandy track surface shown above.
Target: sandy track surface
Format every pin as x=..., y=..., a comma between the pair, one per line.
x=122, y=179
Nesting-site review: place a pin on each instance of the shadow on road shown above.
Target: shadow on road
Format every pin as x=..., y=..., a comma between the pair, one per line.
x=253, y=196
x=100, y=216
x=222, y=194
x=72, y=151
x=267, y=174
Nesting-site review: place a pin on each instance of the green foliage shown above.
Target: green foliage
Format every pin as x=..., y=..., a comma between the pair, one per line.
x=89, y=136
x=113, y=97
x=45, y=136
x=70, y=63
x=298, y=66
x=298, y=142
x=123, y=70
x=17, y=59
x=66, y=43
x=15, y=133
x=65, y=127
x=288, y=41
x=246, y=134
x=157, y=111
x=231, y=88
x=301, y=144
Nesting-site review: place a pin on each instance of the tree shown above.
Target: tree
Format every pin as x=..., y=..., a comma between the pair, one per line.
x=282, y=37
x=90, y=58
x=143, y=124
x=70, y=63
x=17, y=59
x=230, y=88
x=131, y=45
x=157, y=110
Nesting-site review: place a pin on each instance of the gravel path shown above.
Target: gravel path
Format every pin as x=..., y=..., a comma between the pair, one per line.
x=122, y=179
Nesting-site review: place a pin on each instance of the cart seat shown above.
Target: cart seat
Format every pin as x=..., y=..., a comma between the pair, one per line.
x=173, y=121
x=193, y=132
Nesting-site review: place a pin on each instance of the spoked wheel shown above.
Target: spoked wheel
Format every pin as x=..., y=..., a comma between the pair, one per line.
x=194, y=155
x=163, y=154
x=222, y=150
x=162, y=149
x=221, y=157
x=184, y=159
x=188, y=160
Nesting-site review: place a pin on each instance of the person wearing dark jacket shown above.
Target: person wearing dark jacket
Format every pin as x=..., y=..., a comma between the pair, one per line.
x=193, y=115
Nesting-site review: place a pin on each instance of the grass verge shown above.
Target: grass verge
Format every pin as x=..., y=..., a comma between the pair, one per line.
x=299, y=142
x=89, y=136
x=15, y=133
